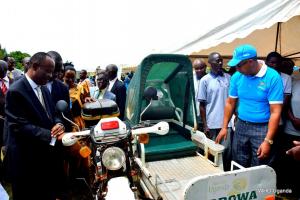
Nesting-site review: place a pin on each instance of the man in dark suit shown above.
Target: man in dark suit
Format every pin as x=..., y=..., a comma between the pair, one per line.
x=117, y=87
x=58, y=90
x=32, y=126
x=4, y=85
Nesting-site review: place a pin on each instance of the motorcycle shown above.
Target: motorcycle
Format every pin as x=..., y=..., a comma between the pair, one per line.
x=111, y=153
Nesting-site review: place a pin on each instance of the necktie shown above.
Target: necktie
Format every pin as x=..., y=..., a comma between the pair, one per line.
x=41, y=99
x=3, y=88
x=10, y=74
x=99, y=94
x=40, y=96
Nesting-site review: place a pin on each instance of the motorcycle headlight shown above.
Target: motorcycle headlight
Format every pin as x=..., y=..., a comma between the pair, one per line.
x=113, y=158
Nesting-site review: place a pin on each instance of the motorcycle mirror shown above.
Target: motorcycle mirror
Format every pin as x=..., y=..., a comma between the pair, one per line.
x=160, y=128
x=150, y=93
x=61, y=106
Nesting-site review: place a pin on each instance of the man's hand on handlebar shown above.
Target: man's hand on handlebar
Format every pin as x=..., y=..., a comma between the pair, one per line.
x=60, y=136
x=58, y=131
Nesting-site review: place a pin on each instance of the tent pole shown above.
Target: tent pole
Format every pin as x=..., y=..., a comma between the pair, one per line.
x=292, y=54
x=277, y=35
x=194, y=56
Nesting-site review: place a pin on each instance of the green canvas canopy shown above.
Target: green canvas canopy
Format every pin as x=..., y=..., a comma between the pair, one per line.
x=172, y=76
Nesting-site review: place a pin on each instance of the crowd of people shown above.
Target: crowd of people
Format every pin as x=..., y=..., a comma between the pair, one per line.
x=34, y=159
x=252, y=109
x=253, y=112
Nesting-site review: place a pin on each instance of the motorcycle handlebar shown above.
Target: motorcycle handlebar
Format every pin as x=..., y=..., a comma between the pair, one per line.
x=160, y=128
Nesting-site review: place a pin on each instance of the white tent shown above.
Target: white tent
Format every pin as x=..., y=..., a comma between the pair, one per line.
x=281, y=37
x=269, y=26
x=92, y=33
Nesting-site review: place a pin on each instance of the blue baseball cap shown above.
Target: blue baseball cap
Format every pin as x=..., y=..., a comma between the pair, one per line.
x=242, y=52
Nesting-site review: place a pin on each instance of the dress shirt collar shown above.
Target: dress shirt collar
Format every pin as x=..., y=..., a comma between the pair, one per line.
x=31, y=82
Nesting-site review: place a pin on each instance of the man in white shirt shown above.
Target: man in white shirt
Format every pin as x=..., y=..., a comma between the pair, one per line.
x=199, y=67
x=274, y=60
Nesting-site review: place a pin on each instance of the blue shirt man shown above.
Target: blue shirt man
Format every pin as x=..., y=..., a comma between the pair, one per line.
x=255, y=93
x=212, y=95
x=259, y=91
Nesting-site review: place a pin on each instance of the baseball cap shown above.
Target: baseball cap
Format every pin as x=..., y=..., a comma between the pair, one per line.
x=241, y=53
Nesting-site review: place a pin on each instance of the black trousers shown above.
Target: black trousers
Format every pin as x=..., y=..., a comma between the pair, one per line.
x=29, y=189
x=287, y=169
x=1, y=144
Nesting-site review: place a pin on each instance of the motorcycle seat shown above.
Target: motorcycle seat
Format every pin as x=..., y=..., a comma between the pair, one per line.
x=177, y=142
x=158, y=109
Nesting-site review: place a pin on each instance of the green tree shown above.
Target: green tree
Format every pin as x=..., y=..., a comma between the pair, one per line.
x=3, y=53
x=18, y=56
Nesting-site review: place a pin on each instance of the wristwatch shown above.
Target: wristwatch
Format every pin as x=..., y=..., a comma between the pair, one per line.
x=269, y=141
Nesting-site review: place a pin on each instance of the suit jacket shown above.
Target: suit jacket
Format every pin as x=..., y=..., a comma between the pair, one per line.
x=2, y=113
x=2, y=130
x=61, y=92
x=119, y=90
x=17, y=78
x=16, y=73
x=29, y=156
x=2, y=103
x=107, y=95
